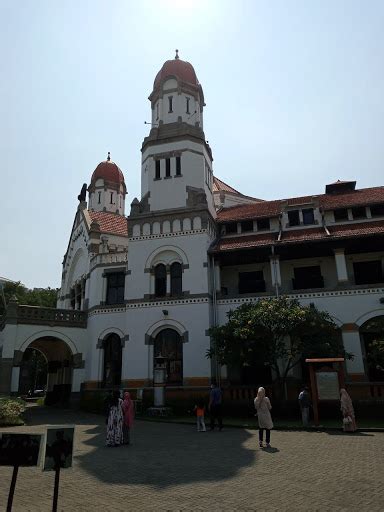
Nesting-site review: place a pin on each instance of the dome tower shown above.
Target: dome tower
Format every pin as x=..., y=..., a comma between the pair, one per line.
x=107, y=190
x=176, y=158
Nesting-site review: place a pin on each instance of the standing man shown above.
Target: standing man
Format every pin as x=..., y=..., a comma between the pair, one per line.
x=305, y=403
x=215, y=398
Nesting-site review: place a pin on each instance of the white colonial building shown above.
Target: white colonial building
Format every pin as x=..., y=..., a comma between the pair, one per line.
x=191, y=249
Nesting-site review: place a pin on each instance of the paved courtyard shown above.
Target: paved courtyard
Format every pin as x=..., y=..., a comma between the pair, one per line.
x=172, y=468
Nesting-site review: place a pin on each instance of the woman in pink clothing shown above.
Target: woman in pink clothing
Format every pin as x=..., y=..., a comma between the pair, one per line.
x=129, y=414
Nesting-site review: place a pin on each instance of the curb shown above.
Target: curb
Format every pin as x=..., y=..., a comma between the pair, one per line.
x=287, y=428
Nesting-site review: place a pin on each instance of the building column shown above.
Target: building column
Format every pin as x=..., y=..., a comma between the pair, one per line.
x=6, y=367
x=341, y=266
x=352, y=343
x=275, y=271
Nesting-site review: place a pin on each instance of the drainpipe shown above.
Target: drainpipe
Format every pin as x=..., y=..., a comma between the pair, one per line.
x=275, y=271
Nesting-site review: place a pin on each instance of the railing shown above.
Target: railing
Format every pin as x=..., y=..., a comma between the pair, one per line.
x=102, y=259
x=51, y=316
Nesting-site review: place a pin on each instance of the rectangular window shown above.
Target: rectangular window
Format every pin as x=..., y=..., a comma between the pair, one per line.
x=157, y=172
x=263, y=224
x=111, y=197
x=294, y=218
x=231, y=227
x=359, y=212
x=251, y=282
x=157, y=111
x=307, y=277
x=167, y=167
x=99, y=197
x=187, y=111
x=115, y=288
x=377, y=210
x=368, y=272
x=246, y=225
x=178, y=166
x=308, y=216
x=170, y=104
x=340, y=214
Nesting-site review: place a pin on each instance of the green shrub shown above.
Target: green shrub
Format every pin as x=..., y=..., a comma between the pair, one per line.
x=11, y=411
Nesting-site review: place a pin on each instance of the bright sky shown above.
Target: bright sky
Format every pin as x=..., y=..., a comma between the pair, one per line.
x=294, y=93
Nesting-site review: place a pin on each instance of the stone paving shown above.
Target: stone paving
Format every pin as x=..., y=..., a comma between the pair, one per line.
x=173, y=468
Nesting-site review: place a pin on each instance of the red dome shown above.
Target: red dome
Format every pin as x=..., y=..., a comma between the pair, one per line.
x=180, y=69
x=108, y=171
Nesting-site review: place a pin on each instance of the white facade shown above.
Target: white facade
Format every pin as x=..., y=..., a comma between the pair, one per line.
x=174, y=265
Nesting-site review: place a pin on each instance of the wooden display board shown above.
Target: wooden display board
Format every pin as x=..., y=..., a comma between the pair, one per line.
x=327, y=378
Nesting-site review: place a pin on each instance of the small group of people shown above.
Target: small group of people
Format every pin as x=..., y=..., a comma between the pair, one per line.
x=215, y=410
x=120, y=414
x=346, y=407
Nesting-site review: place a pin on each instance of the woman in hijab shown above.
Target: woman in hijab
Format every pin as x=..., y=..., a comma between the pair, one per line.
x=115, y=421
x=263, y=406
x=129, y=414
x=346, y=406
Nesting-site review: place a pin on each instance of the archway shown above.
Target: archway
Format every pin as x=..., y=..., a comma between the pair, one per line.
x=168, y=344
x=372, y=335
x=33, y=372
x=58, y=357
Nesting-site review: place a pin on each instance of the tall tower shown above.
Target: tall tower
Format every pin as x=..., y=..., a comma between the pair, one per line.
x=176, y=158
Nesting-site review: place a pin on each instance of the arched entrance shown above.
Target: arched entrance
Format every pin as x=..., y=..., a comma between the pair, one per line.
x=168, y=343
x=372, y=335
x=57, y=369
x=33, y=371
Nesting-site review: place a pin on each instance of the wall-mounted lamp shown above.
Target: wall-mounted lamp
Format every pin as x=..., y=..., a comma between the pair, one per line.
x=165, y=312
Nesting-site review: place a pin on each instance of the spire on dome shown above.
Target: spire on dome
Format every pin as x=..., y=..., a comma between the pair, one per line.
x=177, y=54
x=109, y=156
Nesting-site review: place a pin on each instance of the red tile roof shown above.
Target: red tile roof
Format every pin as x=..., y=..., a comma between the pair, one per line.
x=180, y=68
x=108, y=171
x=110, y=222
x=220, y=186
x=301, y=236
x=365, y=196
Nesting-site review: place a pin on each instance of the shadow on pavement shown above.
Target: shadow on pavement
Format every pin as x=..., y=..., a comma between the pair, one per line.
x=164, y=455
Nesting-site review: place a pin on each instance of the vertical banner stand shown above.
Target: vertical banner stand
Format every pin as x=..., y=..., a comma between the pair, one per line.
x=12, y=488
x=56, y=489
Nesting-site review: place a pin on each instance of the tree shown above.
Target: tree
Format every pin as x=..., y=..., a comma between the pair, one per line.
x=279, y=331
x=44, y=297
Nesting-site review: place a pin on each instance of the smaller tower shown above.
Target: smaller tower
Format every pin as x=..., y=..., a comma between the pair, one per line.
x=107, y=190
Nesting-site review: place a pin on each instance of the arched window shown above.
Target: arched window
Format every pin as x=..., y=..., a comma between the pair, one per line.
x=168, y=344
x=112, y=361
x=160, y=280
x=176, y=279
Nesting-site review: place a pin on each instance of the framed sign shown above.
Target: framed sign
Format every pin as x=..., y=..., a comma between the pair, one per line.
x=20, y=449
x=327, y=385
x=58, y=453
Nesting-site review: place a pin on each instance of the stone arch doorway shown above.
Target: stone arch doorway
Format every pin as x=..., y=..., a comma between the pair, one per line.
x=168, y=344
x=59, y=365
x=372, y=333
x=33, y=371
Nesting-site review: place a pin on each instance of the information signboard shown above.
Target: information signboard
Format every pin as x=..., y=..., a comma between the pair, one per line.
x=327, y=385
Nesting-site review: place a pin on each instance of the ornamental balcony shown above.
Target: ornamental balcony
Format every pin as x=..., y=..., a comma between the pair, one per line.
x=35, y=315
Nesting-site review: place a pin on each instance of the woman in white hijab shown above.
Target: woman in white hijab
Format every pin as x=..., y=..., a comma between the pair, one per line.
x=346, y=406
x=263, y=406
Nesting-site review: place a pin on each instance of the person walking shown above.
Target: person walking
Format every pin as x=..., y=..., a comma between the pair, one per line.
x=263, y=407
x=215, y=399
x=128, y=408
x=115, y=421
x=305, y=403
x=346, y=406
x=200, y=412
